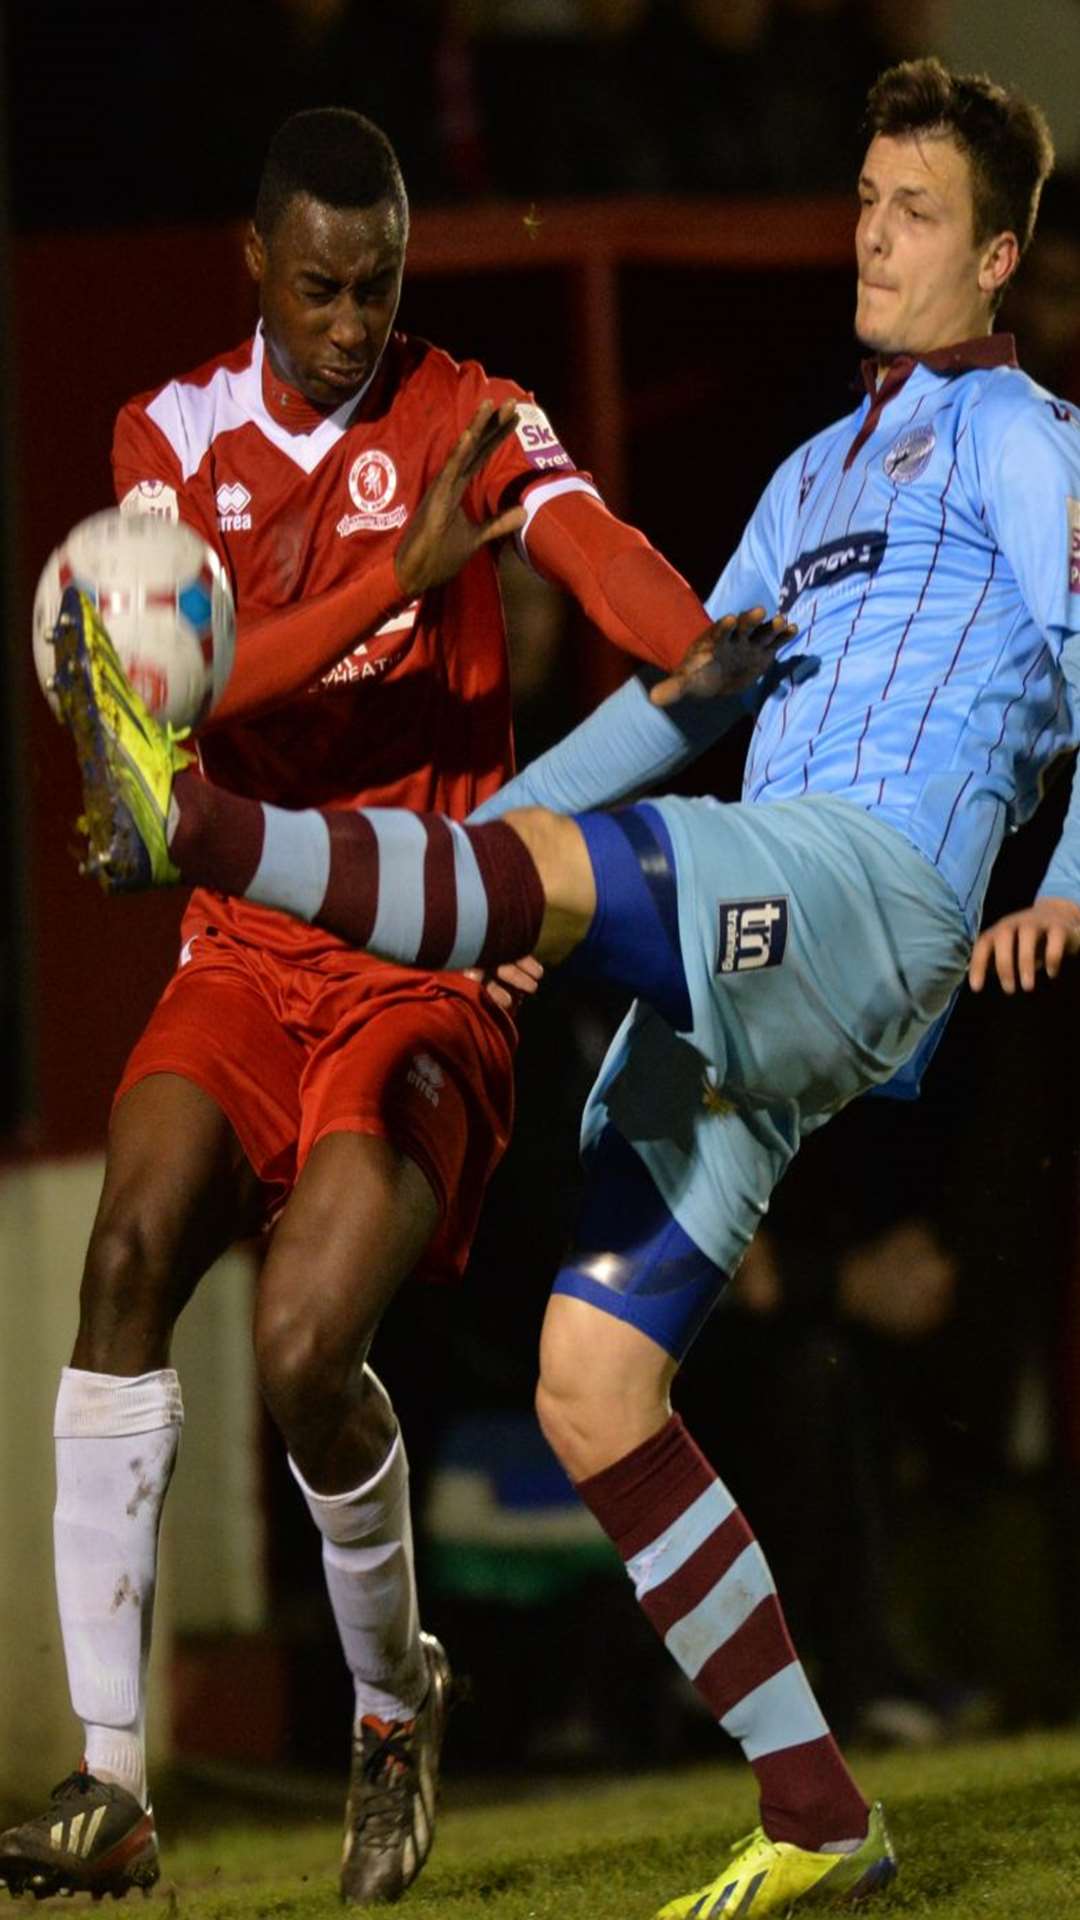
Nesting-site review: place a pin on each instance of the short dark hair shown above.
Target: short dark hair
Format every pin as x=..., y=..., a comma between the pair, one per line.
x=334, y=155
x=1005, y=136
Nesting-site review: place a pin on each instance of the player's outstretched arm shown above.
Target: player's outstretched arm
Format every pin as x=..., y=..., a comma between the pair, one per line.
x=631, y=742
x=1040, y=937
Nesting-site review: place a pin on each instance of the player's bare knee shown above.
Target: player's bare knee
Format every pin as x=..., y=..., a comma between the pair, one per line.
x=126, y=1295
x=305, y=1374
x=572, y=1425
x=561, y=857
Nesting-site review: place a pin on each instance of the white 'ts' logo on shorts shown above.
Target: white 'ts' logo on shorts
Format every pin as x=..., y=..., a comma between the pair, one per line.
x=752, y=934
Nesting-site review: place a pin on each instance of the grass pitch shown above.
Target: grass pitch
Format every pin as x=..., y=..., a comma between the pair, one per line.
x=988, y=1832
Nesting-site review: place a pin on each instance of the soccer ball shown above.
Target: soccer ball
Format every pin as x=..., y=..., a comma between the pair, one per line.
x=166, y=602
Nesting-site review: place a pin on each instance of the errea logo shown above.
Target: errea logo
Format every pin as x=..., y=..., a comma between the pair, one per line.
x=233, y=500
x=752, y=934
x=426, y=1076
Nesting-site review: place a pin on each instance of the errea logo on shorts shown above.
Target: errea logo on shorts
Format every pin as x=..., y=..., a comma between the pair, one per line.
x=752, y=934
x=426, y=1076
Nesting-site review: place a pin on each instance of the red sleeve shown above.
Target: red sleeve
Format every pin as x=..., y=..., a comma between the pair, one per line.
x=625, y=587
x=278, y=654
x=532, y=452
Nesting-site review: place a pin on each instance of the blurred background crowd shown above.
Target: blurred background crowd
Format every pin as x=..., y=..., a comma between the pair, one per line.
x=893, y=1388
x=519, y=97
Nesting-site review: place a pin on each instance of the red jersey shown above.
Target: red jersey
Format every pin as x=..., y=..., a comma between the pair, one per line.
x=297, y=503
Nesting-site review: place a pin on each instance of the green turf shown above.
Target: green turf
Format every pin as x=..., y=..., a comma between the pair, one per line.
x=982, y=1832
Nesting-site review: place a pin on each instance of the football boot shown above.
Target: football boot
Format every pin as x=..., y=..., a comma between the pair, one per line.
x=770, y=1876
x=127, y=759
x=393, y=1790
x=93, y=1837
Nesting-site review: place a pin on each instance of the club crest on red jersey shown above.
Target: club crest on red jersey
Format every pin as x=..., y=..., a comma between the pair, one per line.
x=372, y=485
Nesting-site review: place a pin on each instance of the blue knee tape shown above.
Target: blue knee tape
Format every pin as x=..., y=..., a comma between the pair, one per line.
x=634, y=938
x=632, y=1259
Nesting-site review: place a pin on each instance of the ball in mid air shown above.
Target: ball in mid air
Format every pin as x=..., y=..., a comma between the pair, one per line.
x=165, y=600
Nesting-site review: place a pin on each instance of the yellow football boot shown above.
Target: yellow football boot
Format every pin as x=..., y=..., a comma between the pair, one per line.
x=126, y=758
x=770, y=1876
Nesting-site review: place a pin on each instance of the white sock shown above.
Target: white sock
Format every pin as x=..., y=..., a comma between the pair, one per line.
x=116, y=1440
x=371, y=1580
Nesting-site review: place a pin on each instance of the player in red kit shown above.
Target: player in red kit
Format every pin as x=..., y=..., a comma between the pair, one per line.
x=284, y=1076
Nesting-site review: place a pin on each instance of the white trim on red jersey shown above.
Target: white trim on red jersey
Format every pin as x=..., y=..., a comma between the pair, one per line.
x=538, y=496
x=191, y=416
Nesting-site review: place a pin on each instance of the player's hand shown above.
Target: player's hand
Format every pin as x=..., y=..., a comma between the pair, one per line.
x=512, y=983
x=441, y=537
x=1042, y=935
x=729, y=657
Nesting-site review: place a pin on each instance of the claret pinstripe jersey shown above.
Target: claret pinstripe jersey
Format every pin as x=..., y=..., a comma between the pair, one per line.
x=928, y=547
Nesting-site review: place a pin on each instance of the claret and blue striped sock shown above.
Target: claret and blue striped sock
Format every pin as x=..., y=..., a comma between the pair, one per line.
x=703, y=1582
x=413, y=887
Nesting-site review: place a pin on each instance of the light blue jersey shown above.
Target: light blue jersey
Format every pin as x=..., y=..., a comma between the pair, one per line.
x=928, y=547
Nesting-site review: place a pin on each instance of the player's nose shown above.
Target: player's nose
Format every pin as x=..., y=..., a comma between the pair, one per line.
x=872, y=231
x=348, y=331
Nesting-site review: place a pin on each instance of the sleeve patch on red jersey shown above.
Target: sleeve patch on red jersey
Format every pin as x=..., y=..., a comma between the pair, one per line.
x=1074, y=545
x=154, y=497
x=536, y=437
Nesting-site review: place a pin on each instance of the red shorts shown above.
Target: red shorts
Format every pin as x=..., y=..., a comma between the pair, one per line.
x=290, y=1053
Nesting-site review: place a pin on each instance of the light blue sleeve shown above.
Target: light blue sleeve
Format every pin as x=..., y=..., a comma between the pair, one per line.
x=1061, y=881
x=1028, y=450
x=625, y=745
x=1029, y=453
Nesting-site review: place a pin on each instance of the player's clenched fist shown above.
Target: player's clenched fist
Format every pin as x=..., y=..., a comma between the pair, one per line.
x=1042, y=935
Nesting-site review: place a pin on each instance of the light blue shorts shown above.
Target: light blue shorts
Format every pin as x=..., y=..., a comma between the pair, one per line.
x=819, y=946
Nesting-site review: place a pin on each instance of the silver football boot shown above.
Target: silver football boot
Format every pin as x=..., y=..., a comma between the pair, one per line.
x=393, y=1791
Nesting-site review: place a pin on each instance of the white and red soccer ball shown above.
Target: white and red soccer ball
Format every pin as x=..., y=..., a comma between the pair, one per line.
x=165, y=601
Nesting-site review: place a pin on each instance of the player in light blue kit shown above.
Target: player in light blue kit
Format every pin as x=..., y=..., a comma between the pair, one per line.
x=791, y=951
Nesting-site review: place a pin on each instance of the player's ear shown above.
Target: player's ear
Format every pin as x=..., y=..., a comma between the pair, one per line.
x=254, y=252
x=1000, y=259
